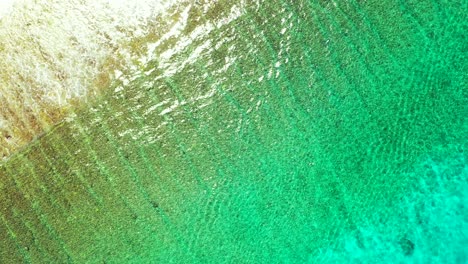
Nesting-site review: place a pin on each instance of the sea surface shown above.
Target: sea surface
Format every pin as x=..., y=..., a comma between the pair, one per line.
x=288, y=131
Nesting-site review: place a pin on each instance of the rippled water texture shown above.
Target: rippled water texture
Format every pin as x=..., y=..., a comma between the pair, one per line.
x=260, y=132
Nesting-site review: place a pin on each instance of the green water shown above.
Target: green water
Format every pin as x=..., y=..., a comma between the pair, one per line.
x=333, y=134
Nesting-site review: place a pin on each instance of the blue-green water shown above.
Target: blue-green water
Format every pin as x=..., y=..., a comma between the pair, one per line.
x=300, y=132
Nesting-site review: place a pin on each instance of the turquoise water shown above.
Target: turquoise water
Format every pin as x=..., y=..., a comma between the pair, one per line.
x=299, y=132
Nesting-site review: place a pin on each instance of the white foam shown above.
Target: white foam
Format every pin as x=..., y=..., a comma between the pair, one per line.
x=5, y=7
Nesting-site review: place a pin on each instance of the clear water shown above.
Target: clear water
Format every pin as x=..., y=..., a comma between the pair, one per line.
x=294, y=132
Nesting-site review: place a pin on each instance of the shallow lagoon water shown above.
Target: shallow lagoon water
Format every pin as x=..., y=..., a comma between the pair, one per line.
x=277, y=132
